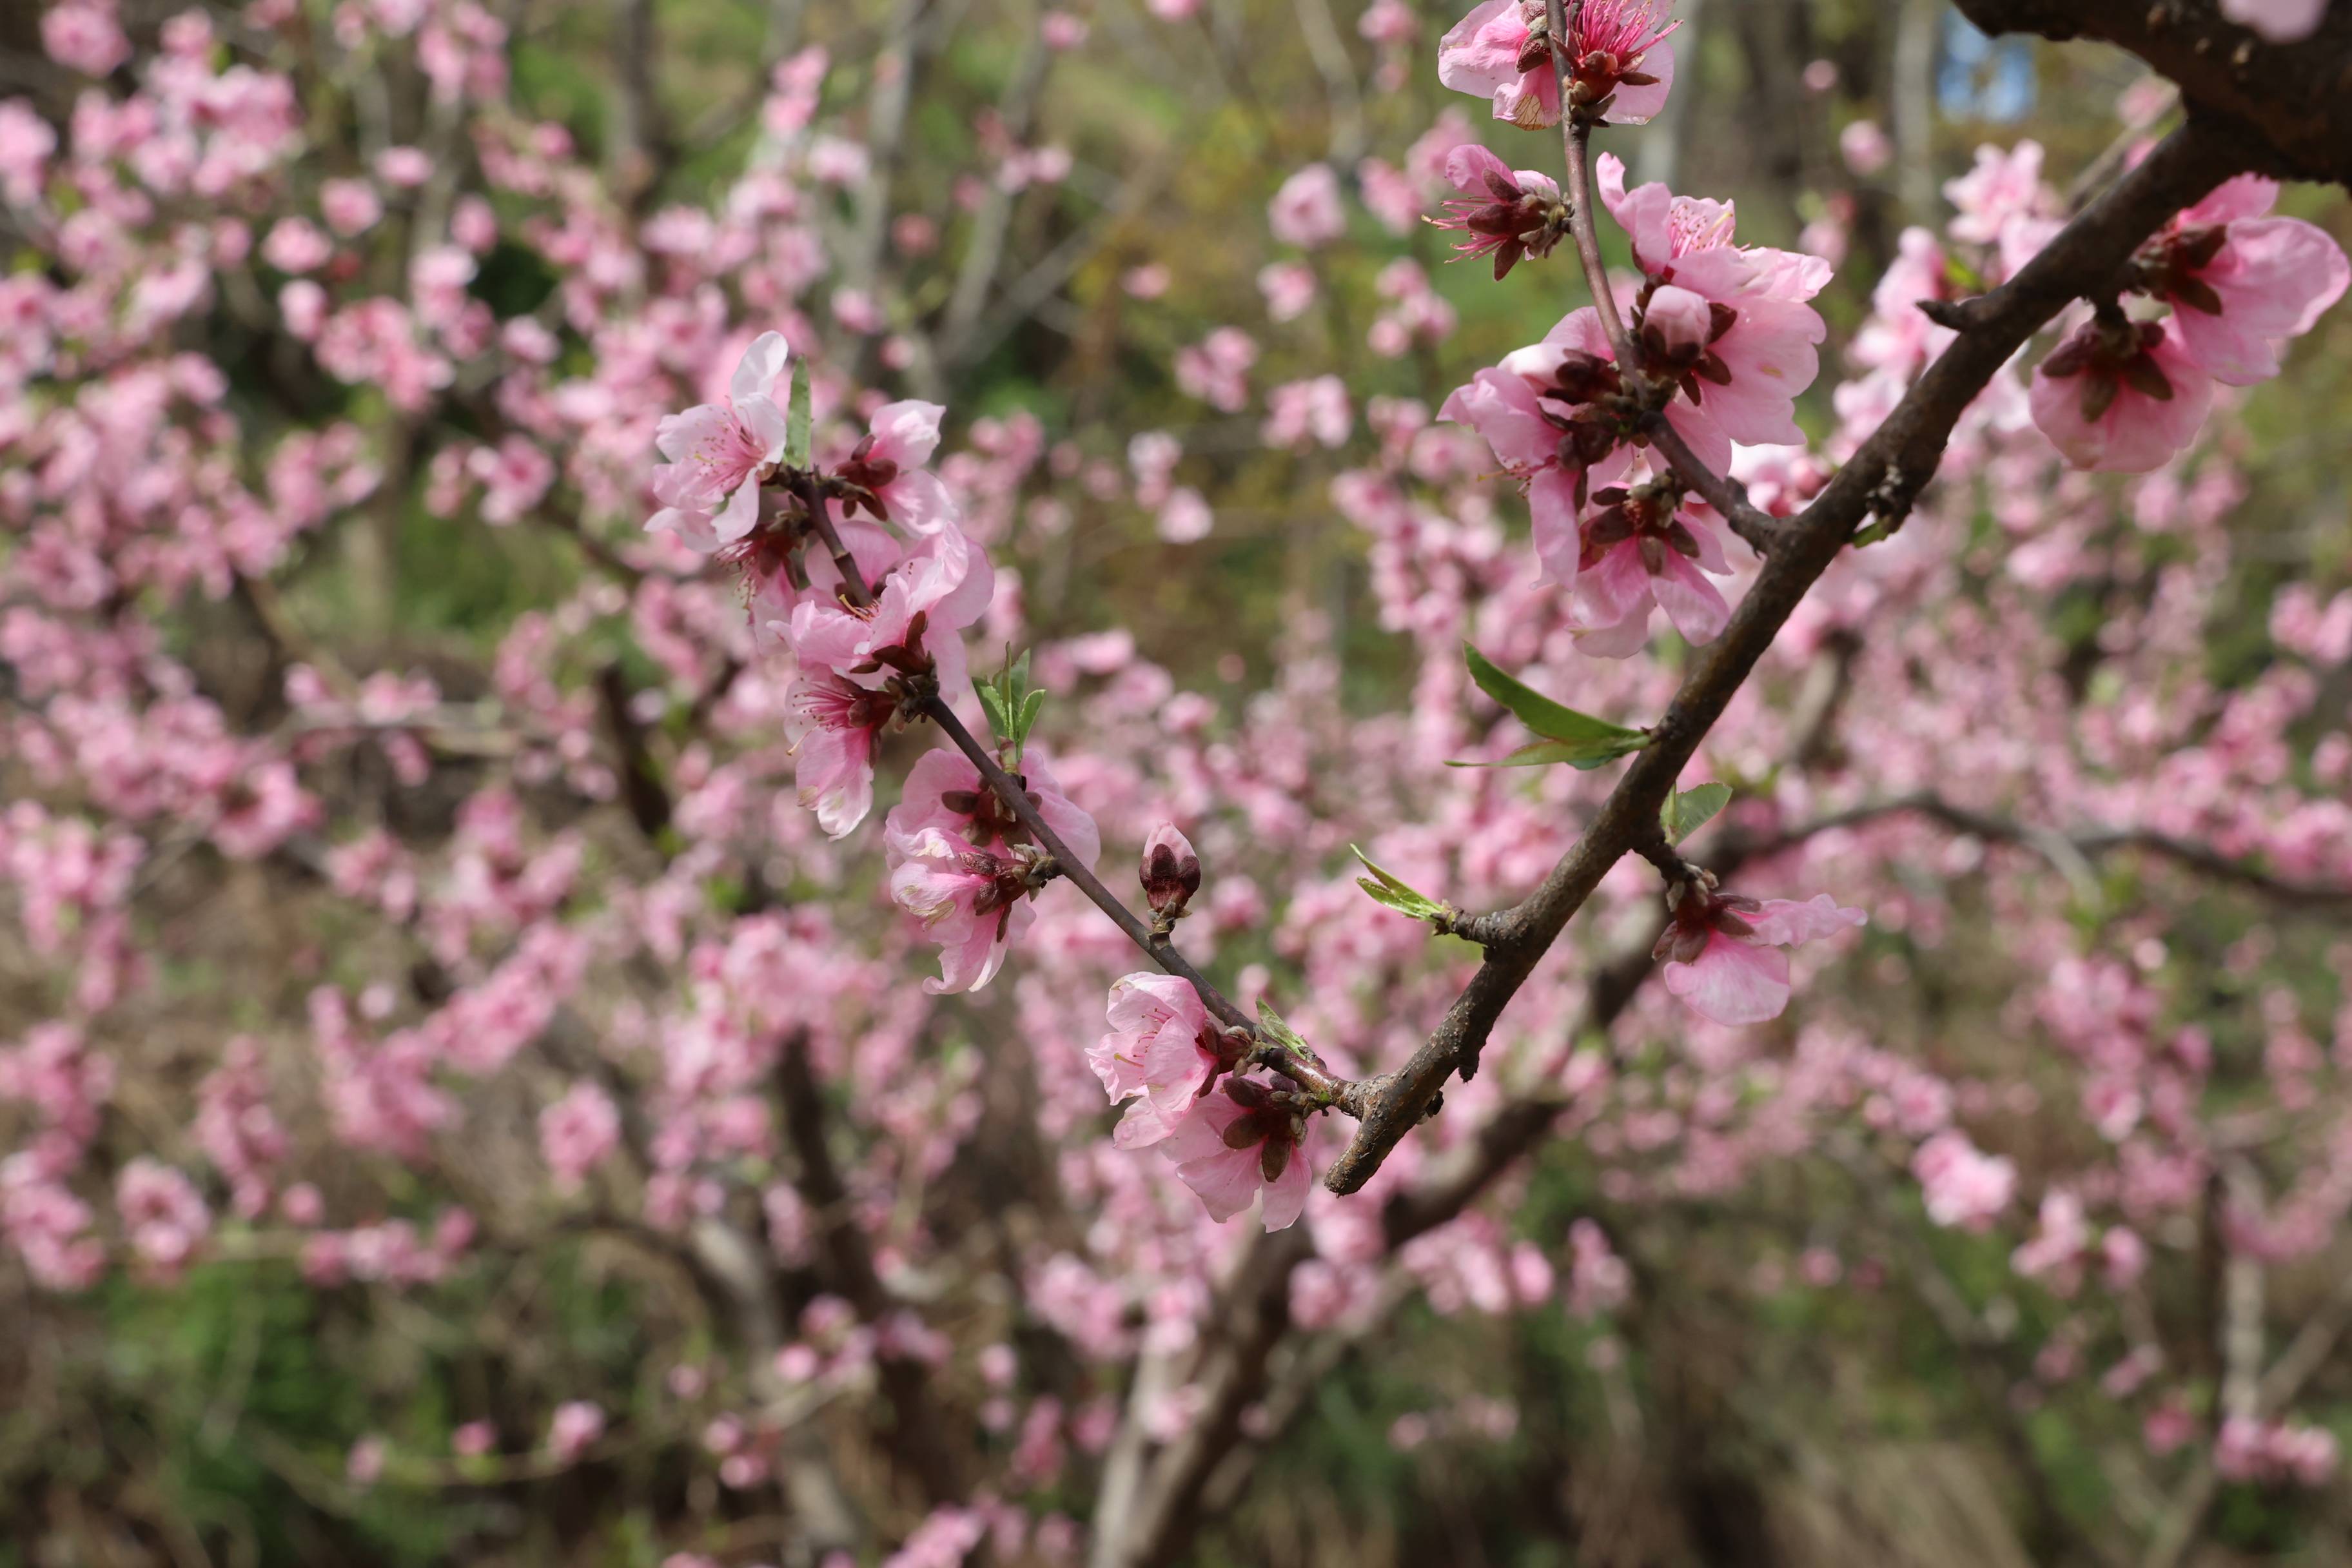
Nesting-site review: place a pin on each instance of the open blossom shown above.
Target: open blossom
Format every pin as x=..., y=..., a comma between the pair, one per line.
x=889, y=468
x=1306, y=211
x=1508, y=212
x=1722, y=951
x=1755, y=350
x=1619, y=62
x=2280, y=21
x=577, y=1426
x=1648, y=547
x=1555, y=416
x=1231, y=1145
x=2121, y=397
x=856, y=662
x=719, y=452
x=973, y=901
x=1163, y=1051
x=2239, y=280
x=1963, y=1185
x=945, y=791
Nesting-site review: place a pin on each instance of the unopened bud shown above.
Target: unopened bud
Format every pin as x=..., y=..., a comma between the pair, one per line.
x=1170, y=871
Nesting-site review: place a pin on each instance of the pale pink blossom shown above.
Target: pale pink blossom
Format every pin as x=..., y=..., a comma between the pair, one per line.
x=83, y=36
x=2121, y=397
x=945, y=791
x=576, y=1429
x=1162, y=1047
x=720, y=452
x=577, y=1132
x=2280, y=21
x=972, y=902
x=1307, y=210
x=2240, y=281
x=1729, y=324
x=1963, y=1185
x=1722, y=951
x=1651, y=546
x=890, y=465
x=1232, y=1144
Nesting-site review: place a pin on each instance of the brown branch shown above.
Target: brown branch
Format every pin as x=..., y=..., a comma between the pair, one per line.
x=2296, y=97
x=1884, y=477
x=2067, y=849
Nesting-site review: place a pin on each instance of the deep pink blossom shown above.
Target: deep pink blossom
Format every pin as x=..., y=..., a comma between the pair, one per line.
x=1170, y=870
x=1232, y=1144
x=1722, y=951
x=1503, y=212
x=1619, y=62
x=719, y=452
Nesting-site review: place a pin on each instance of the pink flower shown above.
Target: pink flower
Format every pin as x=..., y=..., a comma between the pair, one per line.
x=969, y=899
x=1506, y=213
x=1621, y=64
x=831, y=726
x=576, y=1133
x=1163, y=1047
x=1306, y=211
x=576, y=1426
x=1650, y=546
x=2239, y=281
x=1756, y=350
x=945, y=791
x=718, y=452
x=935, y=590
x=1230, y=1145
x=2280, y=21
x=474, y=1439
x=83, y=36
x=1556, y=418
x=2121, y=397
x=889, y=466
x=1962, y=1184
x=1721, y=955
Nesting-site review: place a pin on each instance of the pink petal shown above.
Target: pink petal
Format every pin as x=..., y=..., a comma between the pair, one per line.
x=1784, y=922
x=1691, y=601
x=1285, y=1196
x=1733, y=983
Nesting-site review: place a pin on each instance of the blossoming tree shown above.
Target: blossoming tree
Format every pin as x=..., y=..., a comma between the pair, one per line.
x=390, y=1009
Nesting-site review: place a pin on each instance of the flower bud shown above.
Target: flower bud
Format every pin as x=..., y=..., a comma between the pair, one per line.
x=1170, y=871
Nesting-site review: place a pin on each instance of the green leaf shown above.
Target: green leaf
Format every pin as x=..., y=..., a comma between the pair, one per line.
x=1584, y=755
x=999, y=722
x=1691, y=809
x=1270, y=1025
x=1601, y=739
x=1030, y=708
x=798, y=419
x=1387, y=888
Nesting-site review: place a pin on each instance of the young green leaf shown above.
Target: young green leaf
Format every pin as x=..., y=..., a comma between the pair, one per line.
x=1270, y=1025
x=797, y=419
x=1386, y=889
x=1691, y=809
x=999, y=723
x=1583, y=755
x=1589, y=741
x=1030, y=707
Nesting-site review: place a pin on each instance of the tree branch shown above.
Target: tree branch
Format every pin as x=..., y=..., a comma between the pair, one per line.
x=1884, y=477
